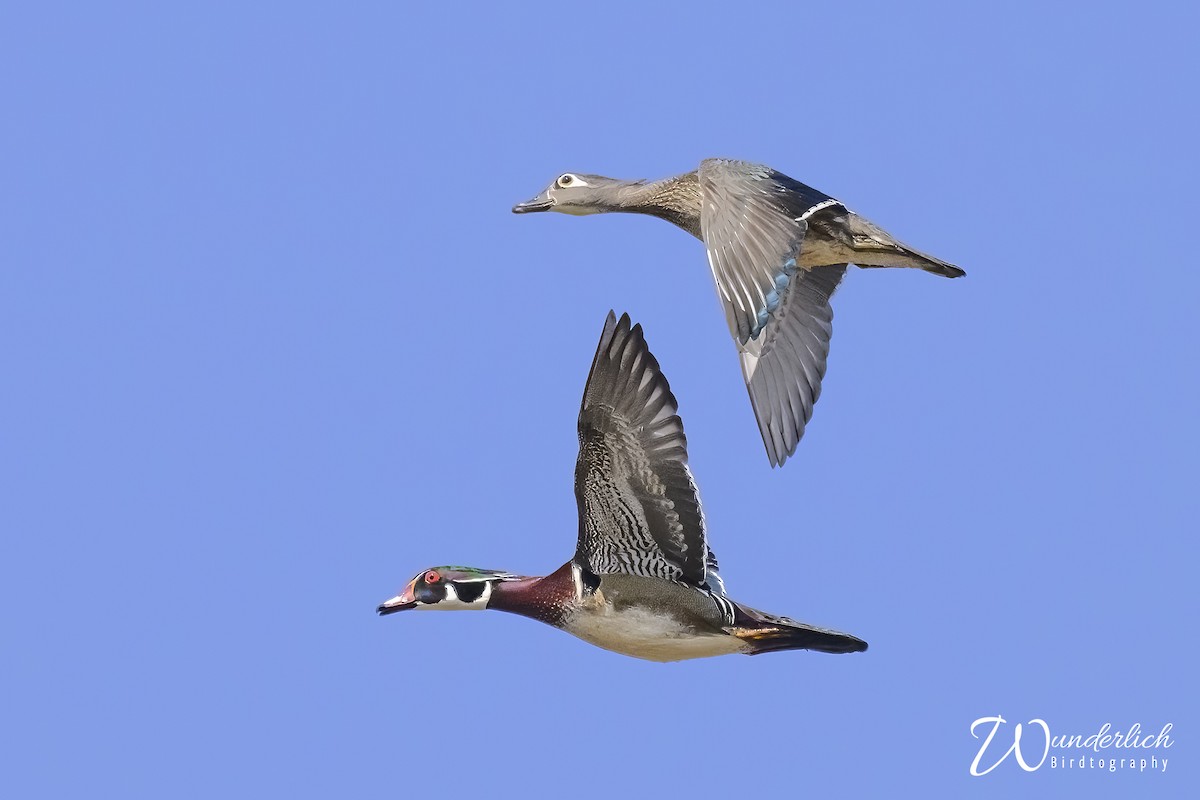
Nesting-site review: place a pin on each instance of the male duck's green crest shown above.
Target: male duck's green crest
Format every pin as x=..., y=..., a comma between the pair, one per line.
x=447, y=589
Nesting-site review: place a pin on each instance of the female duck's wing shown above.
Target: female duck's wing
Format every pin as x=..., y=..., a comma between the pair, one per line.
x=639, y=513
x=753, y=221
x=783, y=366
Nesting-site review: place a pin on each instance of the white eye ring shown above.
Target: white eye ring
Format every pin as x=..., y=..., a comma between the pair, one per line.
x=567, y=180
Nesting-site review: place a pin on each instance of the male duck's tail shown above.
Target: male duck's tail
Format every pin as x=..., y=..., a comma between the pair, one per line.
x=766, y=633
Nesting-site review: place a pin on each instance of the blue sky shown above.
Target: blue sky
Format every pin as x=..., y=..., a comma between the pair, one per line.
x=273, y=342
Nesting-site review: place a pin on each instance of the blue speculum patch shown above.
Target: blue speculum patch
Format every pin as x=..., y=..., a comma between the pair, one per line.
x=774, y=296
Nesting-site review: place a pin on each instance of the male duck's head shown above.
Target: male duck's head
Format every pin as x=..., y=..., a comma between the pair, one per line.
x=579, y=194
x=448, y=589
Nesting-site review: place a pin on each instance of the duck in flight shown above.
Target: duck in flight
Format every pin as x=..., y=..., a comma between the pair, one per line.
x=643, y=581
x=777, y=250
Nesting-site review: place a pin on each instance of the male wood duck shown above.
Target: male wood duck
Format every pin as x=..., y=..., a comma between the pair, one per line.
x=643, y=581
x=777, y=249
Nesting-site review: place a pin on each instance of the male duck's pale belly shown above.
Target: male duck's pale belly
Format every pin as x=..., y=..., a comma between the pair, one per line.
x=643, y=634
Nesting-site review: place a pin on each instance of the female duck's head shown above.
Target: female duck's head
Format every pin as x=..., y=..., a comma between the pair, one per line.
x=579, y=194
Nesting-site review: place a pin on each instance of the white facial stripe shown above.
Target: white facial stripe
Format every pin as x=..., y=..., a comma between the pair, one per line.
x=452, y=603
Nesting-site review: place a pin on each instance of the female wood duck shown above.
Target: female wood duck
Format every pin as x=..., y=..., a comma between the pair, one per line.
x=643, y=581
x=777, y=249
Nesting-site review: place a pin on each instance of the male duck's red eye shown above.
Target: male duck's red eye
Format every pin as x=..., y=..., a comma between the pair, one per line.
x=432, y=576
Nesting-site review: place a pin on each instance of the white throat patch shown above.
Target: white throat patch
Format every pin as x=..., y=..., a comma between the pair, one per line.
x=452, y=603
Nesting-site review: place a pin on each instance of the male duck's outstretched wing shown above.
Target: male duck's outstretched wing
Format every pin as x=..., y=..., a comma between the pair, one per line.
x=753, y=221
x=639, y=513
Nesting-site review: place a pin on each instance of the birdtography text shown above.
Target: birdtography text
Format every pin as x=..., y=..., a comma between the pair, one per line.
x=1030, y=746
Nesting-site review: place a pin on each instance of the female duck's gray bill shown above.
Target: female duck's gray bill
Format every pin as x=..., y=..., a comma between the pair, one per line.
x=543, y=202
